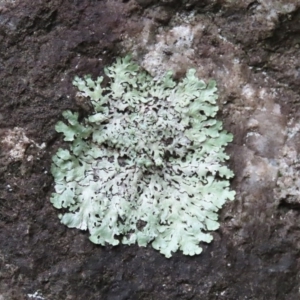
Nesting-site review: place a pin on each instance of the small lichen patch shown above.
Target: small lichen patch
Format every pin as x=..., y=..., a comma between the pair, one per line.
x=147, y=166
x=15, y=142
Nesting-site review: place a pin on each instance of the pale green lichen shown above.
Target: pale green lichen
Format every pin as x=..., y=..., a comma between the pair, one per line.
x=147, y=164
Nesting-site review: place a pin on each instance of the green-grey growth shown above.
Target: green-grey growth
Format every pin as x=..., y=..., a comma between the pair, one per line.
x=147, y=165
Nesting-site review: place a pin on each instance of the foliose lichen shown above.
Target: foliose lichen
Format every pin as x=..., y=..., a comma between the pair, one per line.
x=147, y=166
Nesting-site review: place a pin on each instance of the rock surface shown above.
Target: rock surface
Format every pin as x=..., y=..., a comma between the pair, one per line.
x=250, y=47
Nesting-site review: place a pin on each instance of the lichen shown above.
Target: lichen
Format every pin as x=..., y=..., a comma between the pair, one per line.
x=147, y=166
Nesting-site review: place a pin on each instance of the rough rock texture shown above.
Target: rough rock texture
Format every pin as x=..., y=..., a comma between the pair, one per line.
x=250, y=47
